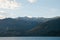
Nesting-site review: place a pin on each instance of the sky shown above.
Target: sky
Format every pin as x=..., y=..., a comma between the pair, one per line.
x=29, y=8
x=29, y=38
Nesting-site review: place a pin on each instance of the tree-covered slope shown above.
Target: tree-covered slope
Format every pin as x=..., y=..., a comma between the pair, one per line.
x=49, y=28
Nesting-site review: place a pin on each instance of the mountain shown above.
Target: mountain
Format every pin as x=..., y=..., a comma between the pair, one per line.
x=17, y=26
x=48, y=28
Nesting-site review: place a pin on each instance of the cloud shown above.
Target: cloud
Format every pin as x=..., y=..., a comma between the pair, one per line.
x=1, y=17
x=29, y=16
x=32, y=1
x=3, y=14
x=9, y=4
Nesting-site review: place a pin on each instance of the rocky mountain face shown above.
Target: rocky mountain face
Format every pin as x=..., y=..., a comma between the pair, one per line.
x=17, y=26
x=48, y=28
x=24, y=26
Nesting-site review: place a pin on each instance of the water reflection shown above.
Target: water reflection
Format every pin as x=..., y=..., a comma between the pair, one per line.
x=29, y=38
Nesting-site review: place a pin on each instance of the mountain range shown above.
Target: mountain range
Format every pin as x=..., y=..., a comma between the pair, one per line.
x=24, y=26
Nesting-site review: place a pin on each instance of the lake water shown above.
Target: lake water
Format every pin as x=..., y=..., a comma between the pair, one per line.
x=29, y=38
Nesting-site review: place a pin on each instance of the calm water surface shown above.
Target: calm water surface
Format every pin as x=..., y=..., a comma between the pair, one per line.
x=29, y=38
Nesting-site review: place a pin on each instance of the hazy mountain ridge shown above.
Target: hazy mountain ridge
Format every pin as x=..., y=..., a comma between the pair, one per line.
x=10, y=26
x=49, y=28
x=24, y=26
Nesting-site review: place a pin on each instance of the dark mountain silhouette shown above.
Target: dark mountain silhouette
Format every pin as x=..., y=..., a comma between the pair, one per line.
x=24, y=26
x=49, y=28
x=17, y=26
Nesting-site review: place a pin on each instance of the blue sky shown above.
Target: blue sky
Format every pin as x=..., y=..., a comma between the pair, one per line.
x=30, y=8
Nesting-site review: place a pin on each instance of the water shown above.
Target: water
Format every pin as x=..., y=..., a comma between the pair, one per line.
x=29, y=38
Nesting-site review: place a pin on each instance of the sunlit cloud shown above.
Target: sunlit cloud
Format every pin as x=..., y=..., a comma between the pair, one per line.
x=9, y=4
x=32, y=1
x=3, y=14
x=29, y=16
